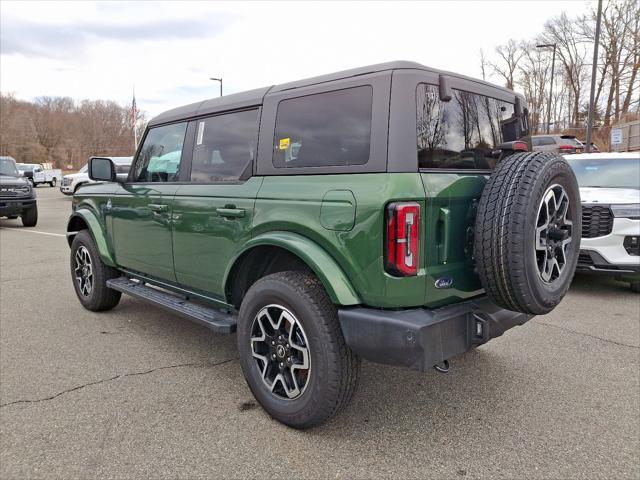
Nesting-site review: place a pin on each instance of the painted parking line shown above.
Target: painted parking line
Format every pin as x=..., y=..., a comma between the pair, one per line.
x=32, y=231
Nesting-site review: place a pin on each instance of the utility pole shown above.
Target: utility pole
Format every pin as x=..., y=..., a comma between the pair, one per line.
x=553, y=68
x=594, y=71
x=217, y=80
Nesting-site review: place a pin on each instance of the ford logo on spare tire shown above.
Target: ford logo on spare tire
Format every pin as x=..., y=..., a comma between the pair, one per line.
x=444, y=282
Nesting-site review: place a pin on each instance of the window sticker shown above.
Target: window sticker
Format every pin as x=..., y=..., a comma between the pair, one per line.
x=284, y=143
x=200, y=133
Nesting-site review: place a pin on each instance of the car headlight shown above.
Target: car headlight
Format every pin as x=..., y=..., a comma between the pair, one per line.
x=626, y=211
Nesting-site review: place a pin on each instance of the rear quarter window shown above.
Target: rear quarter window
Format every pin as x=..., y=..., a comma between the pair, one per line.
x=324, y=129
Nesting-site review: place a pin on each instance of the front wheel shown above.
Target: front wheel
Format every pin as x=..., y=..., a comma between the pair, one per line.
x=292, y=352
x=90, y=275
x=30, y=217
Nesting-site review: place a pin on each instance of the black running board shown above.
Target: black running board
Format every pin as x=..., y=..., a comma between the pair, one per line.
x=212, y=318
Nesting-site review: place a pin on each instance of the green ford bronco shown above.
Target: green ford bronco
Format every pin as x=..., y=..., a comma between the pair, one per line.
x=391, y=213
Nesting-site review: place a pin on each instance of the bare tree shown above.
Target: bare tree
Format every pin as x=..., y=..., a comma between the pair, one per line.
x=509, y=54
x=572, y=52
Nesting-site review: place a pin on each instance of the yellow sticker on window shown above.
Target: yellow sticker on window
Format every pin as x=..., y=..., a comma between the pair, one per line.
x=284, y=143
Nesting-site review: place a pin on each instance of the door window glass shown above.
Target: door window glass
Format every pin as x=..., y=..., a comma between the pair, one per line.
x=325, y=129
x=161, y=153
x=539, y=141
x=464, y=133
x=225, y=145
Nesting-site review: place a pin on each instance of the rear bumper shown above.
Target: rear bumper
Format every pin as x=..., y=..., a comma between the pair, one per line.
x=15, y=206
x=421, y=338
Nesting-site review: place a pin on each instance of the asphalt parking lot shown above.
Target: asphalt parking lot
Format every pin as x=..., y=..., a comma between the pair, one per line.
x=138, y=393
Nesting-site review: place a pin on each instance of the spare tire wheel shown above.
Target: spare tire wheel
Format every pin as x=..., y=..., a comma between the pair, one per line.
x=527, y=232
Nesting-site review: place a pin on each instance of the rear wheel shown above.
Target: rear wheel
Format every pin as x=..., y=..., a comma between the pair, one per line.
x=292, y=351
x=527, y=234
x=52, y=183
x=90, y=275
x=30, y=217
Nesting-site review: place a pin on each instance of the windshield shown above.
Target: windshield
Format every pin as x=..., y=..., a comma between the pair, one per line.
x=609, y=173
x=84, y=168
x=8, y=167
x=25, y=167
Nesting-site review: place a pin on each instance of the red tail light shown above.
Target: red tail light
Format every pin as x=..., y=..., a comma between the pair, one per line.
x=519, y=146
x=402, y=243
x=566, y=148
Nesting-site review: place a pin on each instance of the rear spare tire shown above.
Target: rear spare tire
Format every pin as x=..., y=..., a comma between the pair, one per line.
x=527, y=233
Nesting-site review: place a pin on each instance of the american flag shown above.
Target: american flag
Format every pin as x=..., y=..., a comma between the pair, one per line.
x=134, y=111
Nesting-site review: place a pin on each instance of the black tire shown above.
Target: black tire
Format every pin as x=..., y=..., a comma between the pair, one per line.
x=52, y=183
x=332, y=377
x=12, y=217
x=30, y=217
x=99, y=297
x=635, y=287
x=511, y=261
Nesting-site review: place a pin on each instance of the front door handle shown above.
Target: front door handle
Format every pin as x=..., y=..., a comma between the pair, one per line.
x=158, y=208
x=230, y=212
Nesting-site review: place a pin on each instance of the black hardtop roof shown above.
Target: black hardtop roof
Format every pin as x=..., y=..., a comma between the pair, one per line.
x=251, y=98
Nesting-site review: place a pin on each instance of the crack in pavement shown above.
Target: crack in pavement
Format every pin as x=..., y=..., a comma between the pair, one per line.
x=586, y=334
x=106, y=380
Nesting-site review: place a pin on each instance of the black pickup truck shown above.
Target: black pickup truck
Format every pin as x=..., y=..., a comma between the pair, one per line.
x=17, y=196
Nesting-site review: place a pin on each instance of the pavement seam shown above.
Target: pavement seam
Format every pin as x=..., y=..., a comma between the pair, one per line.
x=586, y=335
x=110, y=379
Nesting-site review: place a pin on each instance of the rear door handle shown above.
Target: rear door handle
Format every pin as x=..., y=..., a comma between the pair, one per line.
x=158, y=208
x=445, y=238
x=230, y=212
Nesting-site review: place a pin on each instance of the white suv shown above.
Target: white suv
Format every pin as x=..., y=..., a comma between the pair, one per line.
x=610, y=193
x=70, y=183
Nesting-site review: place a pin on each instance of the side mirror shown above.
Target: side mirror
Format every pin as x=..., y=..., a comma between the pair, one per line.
x=28, y=174
x=102, y=169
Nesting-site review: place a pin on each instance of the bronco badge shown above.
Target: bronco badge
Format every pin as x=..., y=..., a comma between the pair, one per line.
x=444, y=282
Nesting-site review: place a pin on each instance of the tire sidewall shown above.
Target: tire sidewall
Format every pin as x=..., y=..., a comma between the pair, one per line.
x=268, y=292
x=548, y=295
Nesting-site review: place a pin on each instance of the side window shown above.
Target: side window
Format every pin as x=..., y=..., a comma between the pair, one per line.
x=224, y=146
x=538, y=141
x=324, y=129
x=464, y=133
x=161, y=153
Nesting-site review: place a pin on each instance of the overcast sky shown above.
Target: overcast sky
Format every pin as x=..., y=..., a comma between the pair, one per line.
x=168, y=50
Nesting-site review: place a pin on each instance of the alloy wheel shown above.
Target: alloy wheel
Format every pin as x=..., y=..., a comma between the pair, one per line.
x=280, y=349
x=554, y=230
x=84, y=271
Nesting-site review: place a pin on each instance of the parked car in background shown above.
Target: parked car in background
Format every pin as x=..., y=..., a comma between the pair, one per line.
x=39, y=173
x=71, y=182
x=563, y=144
x=17, y=196
x=610, y=192
x=331, y=219
x=594, y=147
